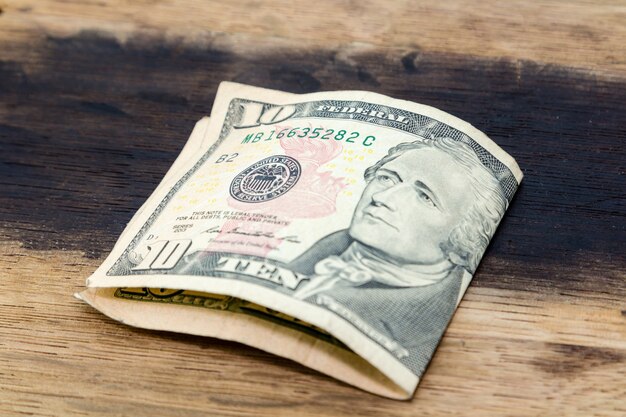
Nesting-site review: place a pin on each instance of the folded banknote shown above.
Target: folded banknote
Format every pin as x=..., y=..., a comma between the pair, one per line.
x=339, y=229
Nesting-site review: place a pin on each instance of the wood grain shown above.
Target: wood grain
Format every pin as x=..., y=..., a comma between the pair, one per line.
x=575, y=33
x=97, y=98
x=505, y=353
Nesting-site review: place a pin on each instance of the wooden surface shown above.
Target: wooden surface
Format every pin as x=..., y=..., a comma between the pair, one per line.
x=97, y=99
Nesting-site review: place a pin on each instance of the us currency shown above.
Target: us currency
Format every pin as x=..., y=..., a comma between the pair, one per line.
x=339, y=229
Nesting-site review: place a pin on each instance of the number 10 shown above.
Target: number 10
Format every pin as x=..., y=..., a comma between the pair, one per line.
x=163, y=254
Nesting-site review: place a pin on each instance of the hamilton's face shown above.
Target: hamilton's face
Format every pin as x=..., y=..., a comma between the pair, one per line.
x=411, y=205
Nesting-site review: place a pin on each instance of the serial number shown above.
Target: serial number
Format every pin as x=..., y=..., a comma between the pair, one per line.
x=306, y=132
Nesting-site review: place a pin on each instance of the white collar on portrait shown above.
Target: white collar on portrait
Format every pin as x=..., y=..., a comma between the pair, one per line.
x=359, y=265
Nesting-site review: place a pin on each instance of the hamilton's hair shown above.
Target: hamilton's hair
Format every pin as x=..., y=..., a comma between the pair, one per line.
x=471, y=237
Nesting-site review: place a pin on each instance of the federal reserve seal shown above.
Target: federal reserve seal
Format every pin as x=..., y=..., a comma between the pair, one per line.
x=265, y=180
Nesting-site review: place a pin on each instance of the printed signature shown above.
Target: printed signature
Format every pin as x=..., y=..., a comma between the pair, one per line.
x=237, y=231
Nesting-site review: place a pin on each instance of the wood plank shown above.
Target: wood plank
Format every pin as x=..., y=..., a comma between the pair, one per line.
x=576, y=33
x=96, y=100
x=505, y=353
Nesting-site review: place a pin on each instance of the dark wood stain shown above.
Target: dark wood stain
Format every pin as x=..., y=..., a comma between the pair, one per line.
x=568, y=360
x=89, y=126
